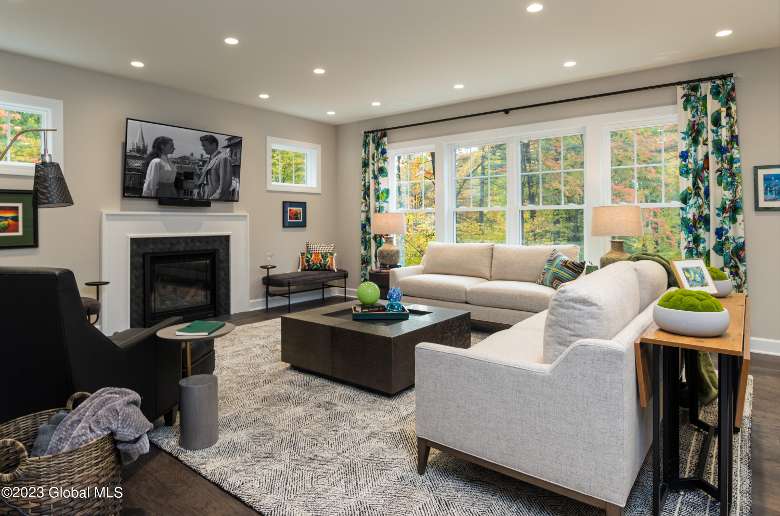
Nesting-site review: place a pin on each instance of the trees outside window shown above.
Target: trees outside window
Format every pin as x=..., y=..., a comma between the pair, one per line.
x=413, y=187
x=481, y=193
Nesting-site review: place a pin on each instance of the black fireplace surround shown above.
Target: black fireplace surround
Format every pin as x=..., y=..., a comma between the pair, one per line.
x=186, y=276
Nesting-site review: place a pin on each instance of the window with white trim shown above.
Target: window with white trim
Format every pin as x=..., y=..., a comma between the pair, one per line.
x=293, y=166
x=19, y=112
x=552, y=190
x=481, y=193
x=644, y=168
x=413, y=192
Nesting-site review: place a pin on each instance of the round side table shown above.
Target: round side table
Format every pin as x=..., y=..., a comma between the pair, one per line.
x=169, y=334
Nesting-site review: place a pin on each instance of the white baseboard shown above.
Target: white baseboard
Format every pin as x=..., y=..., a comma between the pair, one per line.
x=765, y=346
x=259, y=304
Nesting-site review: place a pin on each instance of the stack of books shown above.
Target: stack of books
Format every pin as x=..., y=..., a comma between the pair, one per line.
x=377, y=313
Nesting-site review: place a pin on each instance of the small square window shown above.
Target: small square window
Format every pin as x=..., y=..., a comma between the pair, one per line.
x=293, y=166
x=19, y=112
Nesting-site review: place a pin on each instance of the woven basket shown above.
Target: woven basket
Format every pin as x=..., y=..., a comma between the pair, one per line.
x=93, y=469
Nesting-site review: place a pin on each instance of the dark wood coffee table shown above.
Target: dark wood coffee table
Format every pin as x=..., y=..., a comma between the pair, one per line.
x=378, y=355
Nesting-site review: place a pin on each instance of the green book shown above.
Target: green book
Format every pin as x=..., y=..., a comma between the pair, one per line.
x=199, y=328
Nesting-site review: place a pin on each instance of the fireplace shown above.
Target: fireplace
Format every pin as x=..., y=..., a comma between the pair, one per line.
x=179, y=283
x=179, y=276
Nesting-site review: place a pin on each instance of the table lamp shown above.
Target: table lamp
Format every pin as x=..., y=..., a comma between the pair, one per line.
x=388, y=225
x=616, y=220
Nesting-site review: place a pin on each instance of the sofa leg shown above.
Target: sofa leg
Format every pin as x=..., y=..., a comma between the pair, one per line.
x=422, y=455
x=170, y=417
x=614, y=510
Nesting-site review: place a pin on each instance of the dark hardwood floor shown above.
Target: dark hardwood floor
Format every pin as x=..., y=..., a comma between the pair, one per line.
x=160, y=484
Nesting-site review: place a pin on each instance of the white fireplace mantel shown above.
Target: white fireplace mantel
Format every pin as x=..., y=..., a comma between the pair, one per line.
x=117, y=228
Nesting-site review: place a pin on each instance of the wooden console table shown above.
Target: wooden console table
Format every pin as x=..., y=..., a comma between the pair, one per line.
x=733, y=350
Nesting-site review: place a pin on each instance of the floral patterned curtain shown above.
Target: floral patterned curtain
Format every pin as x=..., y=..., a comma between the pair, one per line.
x=375, y=195
x=711, y=178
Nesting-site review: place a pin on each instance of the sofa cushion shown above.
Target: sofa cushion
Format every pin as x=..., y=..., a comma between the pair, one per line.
x=559, y=269
x=652, y=281
x=459, y=259
x=446, y=287
x=525, y=262
x=523, y=342
x=596, y=306
x=515, y=295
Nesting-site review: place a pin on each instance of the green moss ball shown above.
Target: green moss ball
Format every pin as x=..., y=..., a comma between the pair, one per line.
x=717, y=274
x=690, y=301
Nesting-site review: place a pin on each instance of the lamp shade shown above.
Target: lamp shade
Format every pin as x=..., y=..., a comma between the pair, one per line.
x=388, y=224
x=617, y=220
x=49, y=186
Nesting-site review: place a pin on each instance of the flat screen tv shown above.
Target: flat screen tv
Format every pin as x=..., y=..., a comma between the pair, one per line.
x=171, y=162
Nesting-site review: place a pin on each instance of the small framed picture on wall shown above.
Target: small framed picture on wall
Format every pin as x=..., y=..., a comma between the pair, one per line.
x=767, y=181
x=293, y=214
x=18, y=219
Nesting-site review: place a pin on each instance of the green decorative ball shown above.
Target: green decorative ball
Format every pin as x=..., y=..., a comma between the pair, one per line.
x=690, y=301
x=368, y=293
x=717, y=274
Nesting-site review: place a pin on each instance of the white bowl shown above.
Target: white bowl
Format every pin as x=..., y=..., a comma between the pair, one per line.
x=692, y=324
x=724, y=287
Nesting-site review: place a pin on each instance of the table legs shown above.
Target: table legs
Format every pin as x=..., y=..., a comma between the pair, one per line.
x=187, y=345
x=726, y=430
x=657, y=485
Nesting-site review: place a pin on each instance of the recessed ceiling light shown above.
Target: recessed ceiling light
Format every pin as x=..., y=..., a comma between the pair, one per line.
x=137, y=64
x=376, y=103
x=319, y=71
x=231, y=41
x=569, y=64
x=534, y=7
x=330, y=113
x=264, y=96
x=724, y=33
x=458, y=86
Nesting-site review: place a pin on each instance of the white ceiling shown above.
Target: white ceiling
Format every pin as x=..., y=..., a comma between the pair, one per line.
x=405, y=53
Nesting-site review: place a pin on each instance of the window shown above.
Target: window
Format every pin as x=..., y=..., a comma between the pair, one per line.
x=481, y=193
x=413, y=192
x=552, y=191
x=644, y=170
x=293, y=166
x=19, y=112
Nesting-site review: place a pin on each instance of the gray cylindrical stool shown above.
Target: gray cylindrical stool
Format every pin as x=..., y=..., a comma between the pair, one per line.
x=199, y=410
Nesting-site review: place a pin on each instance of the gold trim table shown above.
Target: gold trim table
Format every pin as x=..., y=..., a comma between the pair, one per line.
x=169, y=334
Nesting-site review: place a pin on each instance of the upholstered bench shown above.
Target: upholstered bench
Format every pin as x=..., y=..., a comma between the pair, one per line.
x=289, y=283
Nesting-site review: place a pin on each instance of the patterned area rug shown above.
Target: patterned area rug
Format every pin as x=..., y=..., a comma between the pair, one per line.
x=292, y=443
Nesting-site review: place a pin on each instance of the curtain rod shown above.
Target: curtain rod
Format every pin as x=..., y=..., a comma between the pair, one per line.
x=506, y=111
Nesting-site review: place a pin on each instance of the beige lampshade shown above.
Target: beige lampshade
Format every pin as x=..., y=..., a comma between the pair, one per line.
x=388, y=224
x=617, y=220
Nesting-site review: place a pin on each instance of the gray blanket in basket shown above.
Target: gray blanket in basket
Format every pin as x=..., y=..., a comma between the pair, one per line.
x=110, y=410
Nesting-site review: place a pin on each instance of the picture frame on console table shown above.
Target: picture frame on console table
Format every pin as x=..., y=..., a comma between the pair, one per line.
x=693, y=275
x=767, y=187
x=293, y=214
x=18, y=219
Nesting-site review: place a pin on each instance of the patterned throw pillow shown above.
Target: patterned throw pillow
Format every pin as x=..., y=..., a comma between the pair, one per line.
x=312, y=247
x=559, y=269
x=317, y=262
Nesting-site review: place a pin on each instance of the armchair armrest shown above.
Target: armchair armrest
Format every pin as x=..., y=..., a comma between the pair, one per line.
x=396, y=275
x=128, y=339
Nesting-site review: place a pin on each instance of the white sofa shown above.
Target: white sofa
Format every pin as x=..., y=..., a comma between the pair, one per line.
x=496, y=283
x=553, y=399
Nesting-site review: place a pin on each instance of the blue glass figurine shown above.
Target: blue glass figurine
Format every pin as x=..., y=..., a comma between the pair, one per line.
x=394, y=300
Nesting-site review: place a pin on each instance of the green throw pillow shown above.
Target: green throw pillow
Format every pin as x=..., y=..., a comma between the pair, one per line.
x=559, y=269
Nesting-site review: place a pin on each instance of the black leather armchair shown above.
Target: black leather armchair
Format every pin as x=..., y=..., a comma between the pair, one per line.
x=48, y=350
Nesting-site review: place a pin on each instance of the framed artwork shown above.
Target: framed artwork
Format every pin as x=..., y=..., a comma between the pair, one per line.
x=293, y=214
x=693, y=275
x=767, y=189
x=18, y=219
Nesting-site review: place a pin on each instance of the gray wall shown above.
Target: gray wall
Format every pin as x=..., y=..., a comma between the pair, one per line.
x=95, y=107
x=758, y=92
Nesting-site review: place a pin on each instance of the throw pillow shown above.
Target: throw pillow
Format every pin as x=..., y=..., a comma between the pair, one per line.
x=312, y=247
x=317, y=262
x=559, y=269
